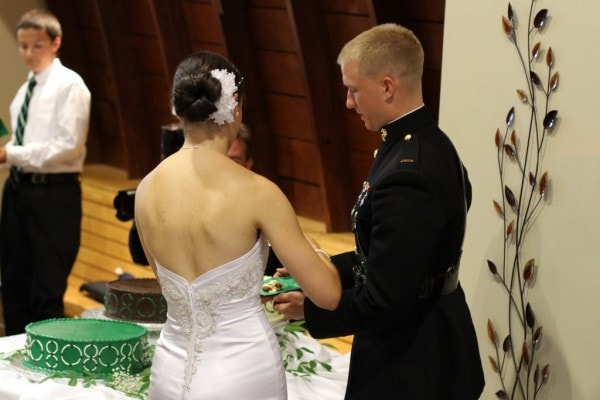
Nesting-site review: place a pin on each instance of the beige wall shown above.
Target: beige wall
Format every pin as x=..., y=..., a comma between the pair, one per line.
x=480, y=76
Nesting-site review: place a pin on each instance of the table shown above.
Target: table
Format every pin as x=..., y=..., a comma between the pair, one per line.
x=19, y=383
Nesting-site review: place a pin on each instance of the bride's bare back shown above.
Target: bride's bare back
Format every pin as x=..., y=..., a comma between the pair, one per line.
x=200, y=207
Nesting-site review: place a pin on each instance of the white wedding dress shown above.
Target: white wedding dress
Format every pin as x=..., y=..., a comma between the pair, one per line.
x=217, y=342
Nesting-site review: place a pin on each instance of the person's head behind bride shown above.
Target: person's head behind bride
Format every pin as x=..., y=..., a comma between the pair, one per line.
x=199, y=210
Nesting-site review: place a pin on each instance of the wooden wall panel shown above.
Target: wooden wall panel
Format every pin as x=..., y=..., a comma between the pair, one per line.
x=139, y=17
x=202, y=23
x=343, y=27
x=430, y=35
x=354, y=7
x=286, y=115
x=427, y=10
x=87, y=17
x=281, y=73
x=127, y=52
x=306, y=197
x=151, y=60
x=360, y=161
x=296, y=160
x=431, y=90
x=271, y=29
x=104, y=113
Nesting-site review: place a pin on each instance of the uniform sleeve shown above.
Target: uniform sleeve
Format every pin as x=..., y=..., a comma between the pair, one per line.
x=407, y=220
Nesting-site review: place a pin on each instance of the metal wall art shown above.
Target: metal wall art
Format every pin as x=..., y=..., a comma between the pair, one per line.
x=524, y=190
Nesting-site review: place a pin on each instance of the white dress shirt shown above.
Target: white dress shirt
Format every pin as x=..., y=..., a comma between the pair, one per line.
x=57, y=123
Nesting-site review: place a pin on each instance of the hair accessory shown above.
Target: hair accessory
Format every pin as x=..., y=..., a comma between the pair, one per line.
x=226, y=103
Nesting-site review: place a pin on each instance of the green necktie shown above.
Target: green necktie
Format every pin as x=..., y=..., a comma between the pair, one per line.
x=23, y=113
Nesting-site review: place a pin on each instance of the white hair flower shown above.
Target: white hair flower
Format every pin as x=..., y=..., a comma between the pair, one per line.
x=226, y=103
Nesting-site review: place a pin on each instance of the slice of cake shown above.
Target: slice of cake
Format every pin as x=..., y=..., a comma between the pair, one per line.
x=95, y=347
x=137, y=300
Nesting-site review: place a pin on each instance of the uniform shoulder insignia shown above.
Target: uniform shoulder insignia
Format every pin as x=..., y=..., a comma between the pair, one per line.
x=409, y=150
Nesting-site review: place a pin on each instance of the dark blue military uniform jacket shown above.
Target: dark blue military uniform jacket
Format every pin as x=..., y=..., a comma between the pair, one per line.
x=409, y=222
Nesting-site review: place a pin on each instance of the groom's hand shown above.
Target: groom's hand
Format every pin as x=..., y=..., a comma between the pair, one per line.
x=290, y=304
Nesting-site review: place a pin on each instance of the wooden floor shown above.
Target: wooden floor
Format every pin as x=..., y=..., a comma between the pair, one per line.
x=104, y=241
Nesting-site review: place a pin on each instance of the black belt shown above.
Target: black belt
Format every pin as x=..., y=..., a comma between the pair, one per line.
x=440, y=285
x=35, y=178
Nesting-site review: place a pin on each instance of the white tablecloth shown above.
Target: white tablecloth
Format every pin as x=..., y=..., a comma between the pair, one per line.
x=19, y=383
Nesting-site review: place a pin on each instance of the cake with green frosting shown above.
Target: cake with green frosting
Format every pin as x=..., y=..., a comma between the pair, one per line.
x=137, y=300
x=95, y=347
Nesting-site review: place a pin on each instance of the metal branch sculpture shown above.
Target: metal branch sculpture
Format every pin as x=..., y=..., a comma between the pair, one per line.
x=520, y=162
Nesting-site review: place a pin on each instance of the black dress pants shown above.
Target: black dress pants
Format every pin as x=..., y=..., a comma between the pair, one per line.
x=40, y=230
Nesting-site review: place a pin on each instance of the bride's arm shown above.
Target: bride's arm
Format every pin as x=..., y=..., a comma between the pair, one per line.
x=309, y=265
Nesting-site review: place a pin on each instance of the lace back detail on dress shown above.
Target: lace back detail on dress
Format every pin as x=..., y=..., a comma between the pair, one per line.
x=198, y=311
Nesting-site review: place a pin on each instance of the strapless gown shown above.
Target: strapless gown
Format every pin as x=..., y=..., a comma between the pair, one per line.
x=217, y=342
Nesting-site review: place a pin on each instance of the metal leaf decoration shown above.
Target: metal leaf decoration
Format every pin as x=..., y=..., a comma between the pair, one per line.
x=510, y=151
x=528, y=270
x=532, y=179
x=545, y=373
x=510, y=197
x=535, y=52
x=520, y=182
x=550, y=57
x=493, y=363
x=537, y=336
x=526, y=354
x=553, y=82
x=529, y=316
x=550, y=119
x=492, y=268
x=535, y=79
x=507, y=27
x=544, y=184
x=498, y=208
x=510, y=229
x=497, y=138
x=507, y=344
x=492, y=332
x=540, y=18
x=510, y=117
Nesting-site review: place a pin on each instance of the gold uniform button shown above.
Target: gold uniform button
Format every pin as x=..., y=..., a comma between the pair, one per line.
x=375, y=153
x=407, y=137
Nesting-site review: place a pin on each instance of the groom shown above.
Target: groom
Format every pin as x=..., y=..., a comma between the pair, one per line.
x=413, y=333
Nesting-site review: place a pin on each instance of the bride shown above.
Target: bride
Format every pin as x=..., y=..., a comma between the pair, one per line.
x=205, y=223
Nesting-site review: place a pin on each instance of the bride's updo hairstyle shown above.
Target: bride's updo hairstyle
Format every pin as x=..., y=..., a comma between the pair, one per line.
x=196, y=89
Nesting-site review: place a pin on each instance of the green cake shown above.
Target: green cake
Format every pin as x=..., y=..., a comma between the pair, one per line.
x=95, y=347
x=137, y=300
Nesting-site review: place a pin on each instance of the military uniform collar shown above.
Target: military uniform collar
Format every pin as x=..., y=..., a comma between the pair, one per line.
x=406, y=123
x=403, y=127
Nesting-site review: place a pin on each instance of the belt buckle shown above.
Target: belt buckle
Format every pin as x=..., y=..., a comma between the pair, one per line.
x=38, y=178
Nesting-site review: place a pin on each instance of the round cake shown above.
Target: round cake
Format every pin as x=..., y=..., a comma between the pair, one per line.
x=94, y=347
x=137, y=300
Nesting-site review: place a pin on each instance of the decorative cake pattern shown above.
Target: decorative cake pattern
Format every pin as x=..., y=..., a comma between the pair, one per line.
x=95, y=347
x=137, y=300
